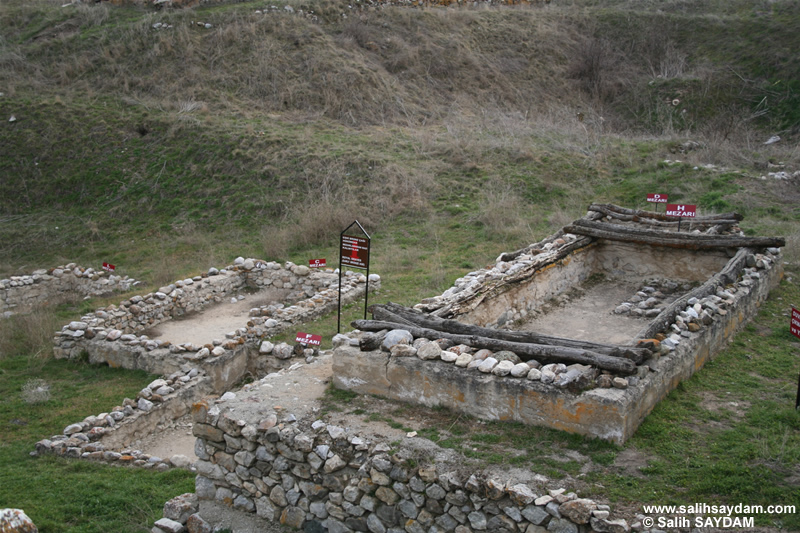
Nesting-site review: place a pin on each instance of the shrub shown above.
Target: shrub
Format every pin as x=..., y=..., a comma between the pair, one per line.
x=36, y=391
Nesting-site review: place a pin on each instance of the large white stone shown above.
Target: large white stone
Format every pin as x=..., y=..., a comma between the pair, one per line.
x=503, y=368
x=429, y=350
x=449, y=357
x=266, y=347
x=464, y=360
x=487, y=365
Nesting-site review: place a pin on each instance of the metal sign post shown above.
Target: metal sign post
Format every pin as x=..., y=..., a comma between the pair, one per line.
x=681, y=211
x=657, y=199
x=794, y=329
x=353, y=252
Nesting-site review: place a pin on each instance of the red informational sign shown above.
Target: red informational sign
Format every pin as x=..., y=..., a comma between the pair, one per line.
x=317, y=263
x=795, y=324
x=355, y=251
x=657, y=198
x=681, y=210
x=308, y=338
x=109, y=267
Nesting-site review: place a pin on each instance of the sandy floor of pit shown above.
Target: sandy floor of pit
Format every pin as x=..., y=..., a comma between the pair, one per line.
x=589, y=315
x=297, y=391
x=213, y=322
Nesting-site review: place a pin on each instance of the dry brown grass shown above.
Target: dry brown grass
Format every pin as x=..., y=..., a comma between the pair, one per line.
x=31, y=333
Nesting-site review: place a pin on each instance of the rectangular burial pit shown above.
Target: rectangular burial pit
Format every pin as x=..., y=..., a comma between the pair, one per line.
x=602, y=330
x=217, y=321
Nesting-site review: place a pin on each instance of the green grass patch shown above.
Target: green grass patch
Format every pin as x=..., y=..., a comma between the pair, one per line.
x=74, y=495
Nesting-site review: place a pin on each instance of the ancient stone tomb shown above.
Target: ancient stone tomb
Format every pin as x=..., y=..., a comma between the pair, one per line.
x=585, y=331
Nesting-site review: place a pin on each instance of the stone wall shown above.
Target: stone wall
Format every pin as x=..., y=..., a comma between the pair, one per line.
x=547, y=283
x=23, y=293
x=113, y=335
x=105, y=437
x=612, y=259
x=319, y=477
x=576, y=398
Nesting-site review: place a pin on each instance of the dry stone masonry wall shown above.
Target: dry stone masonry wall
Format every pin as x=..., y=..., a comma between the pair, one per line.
x=104, y=437
x=114, y=334
x=320, y=477
x=23, y=293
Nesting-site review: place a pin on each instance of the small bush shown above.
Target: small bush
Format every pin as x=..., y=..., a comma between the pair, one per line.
x=36, y=391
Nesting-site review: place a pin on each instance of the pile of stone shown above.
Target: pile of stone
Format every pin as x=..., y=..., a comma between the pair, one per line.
x=180, y=515
x=21, y=293
x=322, y=477
x=649, y=300
x=268, y=318
x=162, y=401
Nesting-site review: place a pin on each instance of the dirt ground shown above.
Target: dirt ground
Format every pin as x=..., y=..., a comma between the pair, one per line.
x=588, y=314
x=216, y=320
x=297, y=390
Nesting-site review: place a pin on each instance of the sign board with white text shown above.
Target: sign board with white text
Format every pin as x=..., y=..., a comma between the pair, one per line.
x=681, y=210
x=308, y=338
x=355, y=251
x=657, y=198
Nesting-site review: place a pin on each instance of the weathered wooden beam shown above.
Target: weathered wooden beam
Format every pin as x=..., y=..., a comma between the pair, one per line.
x=393, y=312
x=615, y=211
x=542, y=353
x=690, y=241
x=471, y=300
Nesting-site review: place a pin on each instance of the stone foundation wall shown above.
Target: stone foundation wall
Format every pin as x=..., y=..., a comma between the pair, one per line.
x=23, y=293
x=575, y=398
x=550, y=281
x=106, y=437
x=113, y=335
x=319, y=477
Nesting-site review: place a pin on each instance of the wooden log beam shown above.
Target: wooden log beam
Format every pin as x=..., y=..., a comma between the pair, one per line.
x=542, y=353
x=393, y=312
x=470, y=301
x=726, y=276
x=615, y=211
x=689, y=241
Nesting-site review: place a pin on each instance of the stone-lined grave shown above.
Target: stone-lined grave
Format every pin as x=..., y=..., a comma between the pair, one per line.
x=113, y=335
x=470, y=349
x=301, y=471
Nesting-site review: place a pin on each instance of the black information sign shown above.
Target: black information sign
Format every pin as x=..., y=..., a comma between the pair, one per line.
x=353, y=252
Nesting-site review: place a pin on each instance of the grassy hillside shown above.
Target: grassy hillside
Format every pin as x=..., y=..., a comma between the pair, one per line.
x=164, y=146
x=269, y=131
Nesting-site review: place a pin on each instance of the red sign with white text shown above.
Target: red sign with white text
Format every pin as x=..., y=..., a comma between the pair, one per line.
x=355, y=251
x=308, y=338
x=795, y=324
x=317, y=263
x=681, y=210
x=657, y=198
x=109, y=267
